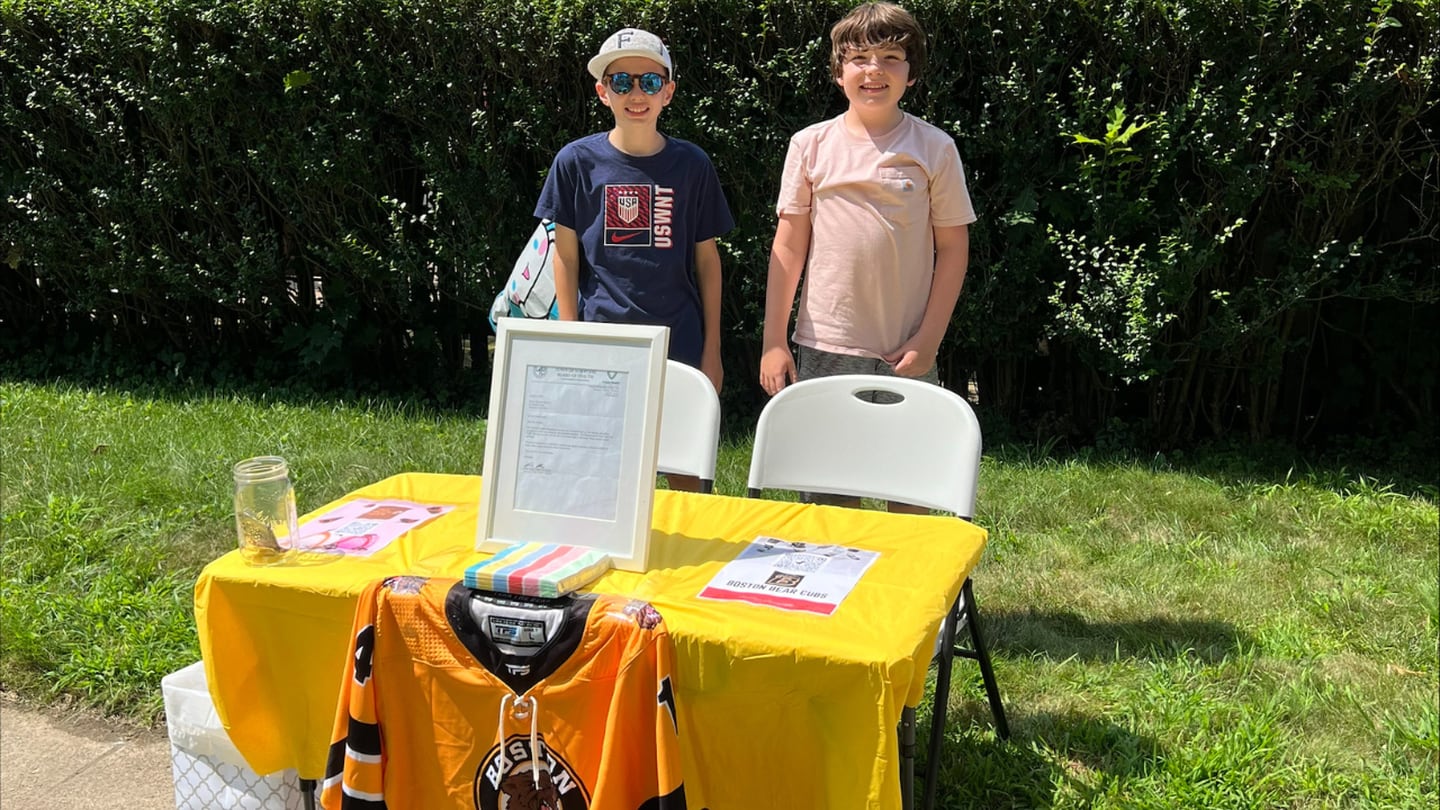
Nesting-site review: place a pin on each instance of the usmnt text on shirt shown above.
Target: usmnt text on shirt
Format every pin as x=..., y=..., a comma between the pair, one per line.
x=639, y=215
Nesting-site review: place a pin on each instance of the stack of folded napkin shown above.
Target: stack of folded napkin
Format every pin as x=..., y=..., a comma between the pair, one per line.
x=538, y=569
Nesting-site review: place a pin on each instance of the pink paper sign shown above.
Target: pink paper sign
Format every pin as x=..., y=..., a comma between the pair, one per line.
x=363, y=527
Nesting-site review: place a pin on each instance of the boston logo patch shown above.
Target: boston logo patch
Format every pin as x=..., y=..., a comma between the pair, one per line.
x=511, y=785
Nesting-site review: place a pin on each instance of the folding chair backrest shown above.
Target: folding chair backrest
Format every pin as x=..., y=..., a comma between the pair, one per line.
x=819, y=436
x=689, y=423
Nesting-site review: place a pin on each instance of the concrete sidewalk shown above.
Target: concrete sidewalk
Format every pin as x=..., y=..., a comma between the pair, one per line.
x=52, y=760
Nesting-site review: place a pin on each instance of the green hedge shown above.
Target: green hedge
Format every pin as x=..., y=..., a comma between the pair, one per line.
x=1198, y=217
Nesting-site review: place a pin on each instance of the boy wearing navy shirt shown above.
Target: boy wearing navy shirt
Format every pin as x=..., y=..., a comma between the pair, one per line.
x=637, y=213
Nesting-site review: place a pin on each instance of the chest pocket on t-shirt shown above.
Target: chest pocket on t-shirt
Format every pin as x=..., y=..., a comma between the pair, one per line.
x=904, y=194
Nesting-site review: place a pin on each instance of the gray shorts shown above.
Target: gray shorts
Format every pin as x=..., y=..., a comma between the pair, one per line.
x=815, y=363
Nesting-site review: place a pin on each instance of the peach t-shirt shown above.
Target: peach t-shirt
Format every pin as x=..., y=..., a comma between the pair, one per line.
x=873, y=205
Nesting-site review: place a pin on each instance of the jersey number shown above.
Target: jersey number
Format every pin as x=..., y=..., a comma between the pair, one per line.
x=666, y=698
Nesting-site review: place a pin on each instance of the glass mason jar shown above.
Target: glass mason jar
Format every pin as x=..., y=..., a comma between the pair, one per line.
x=265, y=518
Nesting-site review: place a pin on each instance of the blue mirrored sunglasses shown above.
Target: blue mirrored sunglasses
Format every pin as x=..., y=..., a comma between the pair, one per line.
x=623, y=83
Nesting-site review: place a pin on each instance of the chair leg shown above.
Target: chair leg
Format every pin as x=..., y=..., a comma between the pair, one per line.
x=971, y=617
x=907, y=758
x=945, y=663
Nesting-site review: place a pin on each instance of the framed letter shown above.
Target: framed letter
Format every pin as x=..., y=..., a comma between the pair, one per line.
x=572, y=434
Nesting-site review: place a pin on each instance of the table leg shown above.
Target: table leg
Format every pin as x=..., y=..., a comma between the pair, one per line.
x=907, y=758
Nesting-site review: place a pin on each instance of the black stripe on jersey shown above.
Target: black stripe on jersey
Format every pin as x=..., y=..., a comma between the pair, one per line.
x=335, y=760
x=348, y=802
x=362, y=738
x=674, y=800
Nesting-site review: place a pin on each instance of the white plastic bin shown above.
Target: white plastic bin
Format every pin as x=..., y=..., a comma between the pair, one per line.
x=209, y=772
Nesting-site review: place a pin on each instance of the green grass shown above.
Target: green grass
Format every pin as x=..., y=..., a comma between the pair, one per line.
x=1191, y=632
x=112, y=503
x=1170, y=639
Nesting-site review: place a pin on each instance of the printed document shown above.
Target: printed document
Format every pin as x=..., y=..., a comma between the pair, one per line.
x=791, y=575
x=571, y=436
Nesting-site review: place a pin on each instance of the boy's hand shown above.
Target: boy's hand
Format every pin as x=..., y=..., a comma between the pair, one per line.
x=777, y=369
x=911, y=359
x=713, y=368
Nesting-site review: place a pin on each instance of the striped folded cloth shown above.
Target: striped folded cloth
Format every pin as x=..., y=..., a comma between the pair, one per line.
x=538, y=569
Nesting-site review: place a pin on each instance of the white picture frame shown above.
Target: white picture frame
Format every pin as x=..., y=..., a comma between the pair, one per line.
x=572, y=436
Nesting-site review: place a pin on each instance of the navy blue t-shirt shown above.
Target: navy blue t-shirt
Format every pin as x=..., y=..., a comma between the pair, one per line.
x=638, y=220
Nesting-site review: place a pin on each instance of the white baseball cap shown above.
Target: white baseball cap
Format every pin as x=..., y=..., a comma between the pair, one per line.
x=629, y=42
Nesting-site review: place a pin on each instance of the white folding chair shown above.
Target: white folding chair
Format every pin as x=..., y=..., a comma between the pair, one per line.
x=923, y=448
x=689, y=425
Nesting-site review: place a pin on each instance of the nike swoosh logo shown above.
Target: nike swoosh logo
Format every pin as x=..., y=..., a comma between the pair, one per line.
x=616, y=238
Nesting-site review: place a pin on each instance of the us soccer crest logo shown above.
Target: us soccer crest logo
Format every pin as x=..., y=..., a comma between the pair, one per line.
x=629, y=211
x=512, y=784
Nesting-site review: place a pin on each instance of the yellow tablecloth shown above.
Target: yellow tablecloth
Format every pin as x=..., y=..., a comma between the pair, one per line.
x=777, y=709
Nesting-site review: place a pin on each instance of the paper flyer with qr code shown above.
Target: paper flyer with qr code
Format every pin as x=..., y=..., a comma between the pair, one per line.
x=791, y=575
x=362, y=527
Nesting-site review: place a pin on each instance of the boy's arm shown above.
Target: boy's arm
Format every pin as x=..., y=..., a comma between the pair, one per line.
x=567, y=273
x=787, y=262
x=707, y=273
x=952, y=257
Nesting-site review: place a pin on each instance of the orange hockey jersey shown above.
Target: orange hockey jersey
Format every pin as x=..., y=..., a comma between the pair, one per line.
x=458, y=699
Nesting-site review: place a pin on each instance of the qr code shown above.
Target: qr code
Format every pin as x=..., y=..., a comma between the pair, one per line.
x=808, y=563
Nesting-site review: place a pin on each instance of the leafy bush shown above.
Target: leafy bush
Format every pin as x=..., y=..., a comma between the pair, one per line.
x=1197, y=217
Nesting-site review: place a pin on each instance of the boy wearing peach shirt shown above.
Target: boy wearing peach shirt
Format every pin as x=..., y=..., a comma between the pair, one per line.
x=874, y=211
